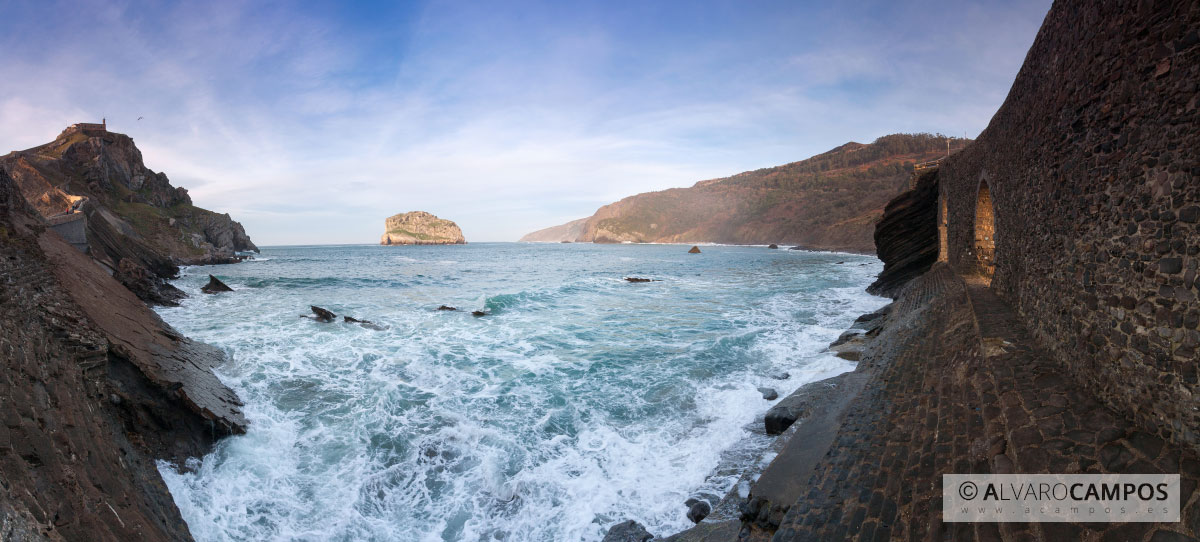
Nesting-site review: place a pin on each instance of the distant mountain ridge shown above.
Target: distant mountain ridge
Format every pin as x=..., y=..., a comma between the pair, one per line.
x=556, y=234
x=830, y=201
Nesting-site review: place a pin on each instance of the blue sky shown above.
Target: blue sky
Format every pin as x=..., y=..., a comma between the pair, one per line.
x=312, y=122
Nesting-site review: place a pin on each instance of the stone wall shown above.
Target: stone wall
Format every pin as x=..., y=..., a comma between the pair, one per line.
x=1092, y=168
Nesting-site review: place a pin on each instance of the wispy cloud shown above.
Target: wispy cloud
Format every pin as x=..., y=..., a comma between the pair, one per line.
x=312, y=123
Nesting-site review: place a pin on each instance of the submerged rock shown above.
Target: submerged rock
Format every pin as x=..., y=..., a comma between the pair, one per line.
x=769, y=393
x=478, y=313
x=322, y=315
x=699, y=511
x=639, y=279
x=214, y=286
x=782, y=376
x=627, y=531
x=447, y=308
x=364, y=323
x=694, y=250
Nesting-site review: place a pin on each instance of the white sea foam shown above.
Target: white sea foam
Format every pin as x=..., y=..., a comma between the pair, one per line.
x=579, y=402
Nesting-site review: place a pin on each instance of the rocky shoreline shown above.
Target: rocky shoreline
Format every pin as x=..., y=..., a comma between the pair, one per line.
x=97, y=389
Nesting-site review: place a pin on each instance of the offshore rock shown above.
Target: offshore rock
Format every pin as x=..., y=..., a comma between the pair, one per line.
x=772, y=245
x=694, y=250
x=627, y=531
x=447, y=308
x=322, y=315
x=769, y=393
x=215, y=286
x=421, y=228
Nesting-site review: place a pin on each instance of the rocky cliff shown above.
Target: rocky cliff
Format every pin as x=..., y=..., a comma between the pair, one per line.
x=420, y=228
x=96, y=388
x=557, y=234
x=137, y=224
x=830, y=201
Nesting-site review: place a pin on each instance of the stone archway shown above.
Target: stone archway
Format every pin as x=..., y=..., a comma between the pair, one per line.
x=985, y=233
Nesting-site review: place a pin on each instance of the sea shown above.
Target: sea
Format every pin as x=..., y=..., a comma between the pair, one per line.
x=578, y=401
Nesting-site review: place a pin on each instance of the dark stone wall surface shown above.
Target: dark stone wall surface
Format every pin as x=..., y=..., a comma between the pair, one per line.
x=1093, y=165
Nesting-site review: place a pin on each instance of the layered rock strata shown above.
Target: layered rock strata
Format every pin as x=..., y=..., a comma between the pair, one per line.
x=96, y=388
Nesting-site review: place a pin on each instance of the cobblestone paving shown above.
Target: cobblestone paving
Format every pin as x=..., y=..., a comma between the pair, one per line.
x=959, y=387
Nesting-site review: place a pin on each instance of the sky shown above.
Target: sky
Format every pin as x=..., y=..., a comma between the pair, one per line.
x=311, y=122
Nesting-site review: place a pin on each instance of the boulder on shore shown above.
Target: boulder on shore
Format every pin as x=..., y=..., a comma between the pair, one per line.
x=769, y=393
x=797, y=405
x=699, y=511
x=694, y=250
x=627, y=531
x=772, y=245
x=215, y=285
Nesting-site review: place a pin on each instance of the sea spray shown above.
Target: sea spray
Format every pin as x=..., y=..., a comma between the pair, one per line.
x=579, y=401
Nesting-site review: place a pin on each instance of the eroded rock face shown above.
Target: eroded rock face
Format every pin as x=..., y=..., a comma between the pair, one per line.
x=131, y=213
x=421, y=228
x=906, y=238
x=96, y=388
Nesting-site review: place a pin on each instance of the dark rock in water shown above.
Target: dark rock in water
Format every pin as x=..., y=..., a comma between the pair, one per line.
x=627, y=531
x=364, y=323
x=781, y=376
x=769, y=393
x=215, y=285
x=691, y=502
x=639, y=279
x=772, y=245
x=478, y=313
x=694, y=250
x=447, y=308
x=699, y=511
x=840, y=263
x=796, y=248
x=322, y=315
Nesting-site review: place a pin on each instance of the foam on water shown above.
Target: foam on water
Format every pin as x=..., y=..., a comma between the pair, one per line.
x=580, y=401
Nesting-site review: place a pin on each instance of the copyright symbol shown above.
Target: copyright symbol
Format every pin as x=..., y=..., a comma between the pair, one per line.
x=968, y=490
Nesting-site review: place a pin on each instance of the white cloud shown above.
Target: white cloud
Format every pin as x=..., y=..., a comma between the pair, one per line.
x=506, y=119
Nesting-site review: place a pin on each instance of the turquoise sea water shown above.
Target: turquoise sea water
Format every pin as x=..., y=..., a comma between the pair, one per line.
x=581, y=399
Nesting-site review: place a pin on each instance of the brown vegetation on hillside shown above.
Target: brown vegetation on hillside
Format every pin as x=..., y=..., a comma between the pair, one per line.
x=830, y=201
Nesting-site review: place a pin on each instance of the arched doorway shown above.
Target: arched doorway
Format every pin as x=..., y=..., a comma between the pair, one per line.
x=985, y=233
x=943, y=227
